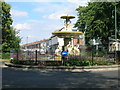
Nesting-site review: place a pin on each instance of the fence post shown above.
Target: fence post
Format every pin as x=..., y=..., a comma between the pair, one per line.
x=35, y=56
x=17, y=54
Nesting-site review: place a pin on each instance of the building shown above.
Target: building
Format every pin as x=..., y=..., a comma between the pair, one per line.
x=48, y=46
x=114, y=46
x=41, y=46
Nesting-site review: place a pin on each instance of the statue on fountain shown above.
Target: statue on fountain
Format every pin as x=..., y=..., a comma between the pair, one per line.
x=58, y=51
x=69, y=48
x=76, y=50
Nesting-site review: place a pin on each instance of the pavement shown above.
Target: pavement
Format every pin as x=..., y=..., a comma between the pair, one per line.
x=65, y=68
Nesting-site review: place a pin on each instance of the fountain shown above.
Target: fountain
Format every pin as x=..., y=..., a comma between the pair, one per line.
x=67, y=34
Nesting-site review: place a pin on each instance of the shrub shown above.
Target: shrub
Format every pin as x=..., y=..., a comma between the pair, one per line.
x=6, y=55
x=53, y=63
x=103, y=63
x=100, y=53
x=85, y=62
x=23, y=62
x=78, y=62
x=30, y=62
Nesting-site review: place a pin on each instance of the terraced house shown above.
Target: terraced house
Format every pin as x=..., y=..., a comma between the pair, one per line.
x=48, y=46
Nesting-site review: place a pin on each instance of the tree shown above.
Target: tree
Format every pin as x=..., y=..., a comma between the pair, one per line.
x=13, y=42
x=96, y=20
x=10, y=40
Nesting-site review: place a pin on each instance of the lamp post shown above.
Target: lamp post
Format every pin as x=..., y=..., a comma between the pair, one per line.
x=115, y=25
x=27, y=39
x=91, y=42
x=26, y=42
x=27, y=46
x=115, y=32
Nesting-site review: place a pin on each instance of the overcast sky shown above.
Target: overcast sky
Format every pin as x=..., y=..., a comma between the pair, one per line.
x=37, y=19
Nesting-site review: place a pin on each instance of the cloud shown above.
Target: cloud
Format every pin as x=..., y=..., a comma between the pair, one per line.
x=31, y=36
x=17, y=13
x=79, y=2
x=74, y=1
x=23, y=26
x=55, y=15
x=50, y=0
x=44, y=25
x=34, y=0
x=34, y=21
x=62, y=11
x=54, y=11
x=38, y=9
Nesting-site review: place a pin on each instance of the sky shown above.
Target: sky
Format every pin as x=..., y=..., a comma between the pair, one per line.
x=37, y=19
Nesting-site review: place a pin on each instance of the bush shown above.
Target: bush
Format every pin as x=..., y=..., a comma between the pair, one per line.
x=78, y=62
x=85, y=62
x=0, y=55
x=52, y=63
x=100, y=54
x=103, y=63
x=23, y=62
x=6, y=55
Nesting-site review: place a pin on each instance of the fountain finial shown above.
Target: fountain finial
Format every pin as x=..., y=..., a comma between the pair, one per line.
x=67, y=21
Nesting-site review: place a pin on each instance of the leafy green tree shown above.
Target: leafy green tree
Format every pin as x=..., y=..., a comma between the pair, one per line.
x=13, y=42
x=10, y=40
x=97, y=21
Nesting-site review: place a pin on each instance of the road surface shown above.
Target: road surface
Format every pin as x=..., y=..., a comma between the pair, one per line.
x=24, y=78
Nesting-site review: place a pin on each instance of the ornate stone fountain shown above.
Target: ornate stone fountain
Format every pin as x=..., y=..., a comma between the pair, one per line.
x=68, y=34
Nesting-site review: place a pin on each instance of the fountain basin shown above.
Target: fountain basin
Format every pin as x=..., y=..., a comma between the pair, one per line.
x=67, y=34
x=67, y=17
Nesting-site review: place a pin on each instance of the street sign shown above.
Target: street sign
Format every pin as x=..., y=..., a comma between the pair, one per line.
x=64, y=53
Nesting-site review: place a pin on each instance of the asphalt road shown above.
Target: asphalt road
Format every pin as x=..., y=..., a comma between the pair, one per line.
x=23, y=78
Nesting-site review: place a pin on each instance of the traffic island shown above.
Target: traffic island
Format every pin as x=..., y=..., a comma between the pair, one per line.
x=65, y=68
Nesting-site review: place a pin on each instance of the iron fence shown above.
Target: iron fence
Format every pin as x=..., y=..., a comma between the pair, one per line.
x=30, y=55
x=86, y=52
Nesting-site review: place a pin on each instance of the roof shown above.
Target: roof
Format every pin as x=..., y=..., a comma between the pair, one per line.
x=36, y=42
